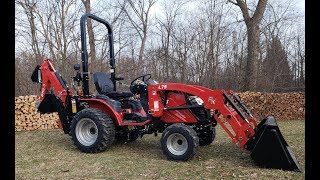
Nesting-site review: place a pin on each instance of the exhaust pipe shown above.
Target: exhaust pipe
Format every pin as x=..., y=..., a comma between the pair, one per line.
x=269, y=149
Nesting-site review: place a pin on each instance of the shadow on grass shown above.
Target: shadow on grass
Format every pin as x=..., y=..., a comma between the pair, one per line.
x=223, y=152
x=148, y=146
x=227, y=153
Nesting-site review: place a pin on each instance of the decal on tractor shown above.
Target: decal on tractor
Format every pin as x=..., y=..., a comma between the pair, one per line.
x=211, y=100
x=162, y=86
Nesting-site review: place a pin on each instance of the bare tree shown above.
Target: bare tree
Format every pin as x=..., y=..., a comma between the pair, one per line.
x=171, y=11
x=138, y=14
x=300, y=64
x=276, y=68
x=56, y=26
x=253, y=32
x=50, y=35
x=29, y=7
x=194, y=45
x=281, y=20
x=215, y=35
x=92, y=53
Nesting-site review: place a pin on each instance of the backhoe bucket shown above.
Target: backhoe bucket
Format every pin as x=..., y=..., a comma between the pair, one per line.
x=269, y=149
x=48, y=104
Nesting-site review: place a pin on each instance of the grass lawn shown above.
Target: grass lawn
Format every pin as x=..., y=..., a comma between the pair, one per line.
x=50, y=154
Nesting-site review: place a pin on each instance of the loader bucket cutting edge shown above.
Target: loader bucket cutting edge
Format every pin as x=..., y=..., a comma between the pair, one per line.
x=269, y=149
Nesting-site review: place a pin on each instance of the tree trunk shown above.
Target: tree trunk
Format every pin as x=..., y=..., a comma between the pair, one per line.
x=64, y=38
x=166, y=52
x=92, y=53
x=253, y=32
x=253, y=56
x=29, y=10
x=141, y=51
x=35, y=45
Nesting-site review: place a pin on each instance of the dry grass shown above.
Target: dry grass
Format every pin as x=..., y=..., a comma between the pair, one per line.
x=50, y=154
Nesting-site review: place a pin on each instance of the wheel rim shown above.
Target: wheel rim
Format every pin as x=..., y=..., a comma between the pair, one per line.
x=86, y=131
x=177, y=144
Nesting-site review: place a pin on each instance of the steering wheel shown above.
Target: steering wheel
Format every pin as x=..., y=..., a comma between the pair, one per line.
x=144, y=78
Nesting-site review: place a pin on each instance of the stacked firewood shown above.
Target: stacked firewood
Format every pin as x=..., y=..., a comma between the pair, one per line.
x=283, y=106
x=28, y=118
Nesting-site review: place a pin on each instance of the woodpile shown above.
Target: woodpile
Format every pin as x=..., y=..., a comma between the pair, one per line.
x=283, y=106
x=27, y=118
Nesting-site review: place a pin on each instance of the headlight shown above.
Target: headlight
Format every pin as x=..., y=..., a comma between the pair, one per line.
x=199, y=100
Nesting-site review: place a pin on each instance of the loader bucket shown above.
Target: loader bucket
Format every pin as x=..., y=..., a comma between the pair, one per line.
x=269, y=149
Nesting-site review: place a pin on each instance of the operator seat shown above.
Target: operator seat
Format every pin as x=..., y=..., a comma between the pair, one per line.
x=105, y=86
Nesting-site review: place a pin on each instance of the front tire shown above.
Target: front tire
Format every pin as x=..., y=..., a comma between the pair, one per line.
x=92, y=130
x=179, y=142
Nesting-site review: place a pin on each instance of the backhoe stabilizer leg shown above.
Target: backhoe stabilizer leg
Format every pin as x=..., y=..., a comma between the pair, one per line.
x=269, y=149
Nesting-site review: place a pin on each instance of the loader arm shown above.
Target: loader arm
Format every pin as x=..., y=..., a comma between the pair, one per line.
x=242, y=128
x=265, y=142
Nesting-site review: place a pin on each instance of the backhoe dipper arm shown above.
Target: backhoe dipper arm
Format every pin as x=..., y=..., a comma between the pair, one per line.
x=217, y=100
x=57, y=101
x=51, y=78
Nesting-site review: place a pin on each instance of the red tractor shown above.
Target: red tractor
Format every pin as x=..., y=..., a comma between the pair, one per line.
x=186, y=115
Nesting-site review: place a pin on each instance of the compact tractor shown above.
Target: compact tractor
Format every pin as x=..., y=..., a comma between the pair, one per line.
x=185, y=115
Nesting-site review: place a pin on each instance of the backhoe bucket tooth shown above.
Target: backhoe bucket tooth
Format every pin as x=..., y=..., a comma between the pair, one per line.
x=269, y=149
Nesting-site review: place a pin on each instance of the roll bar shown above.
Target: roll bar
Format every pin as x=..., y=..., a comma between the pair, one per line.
x=84, y=51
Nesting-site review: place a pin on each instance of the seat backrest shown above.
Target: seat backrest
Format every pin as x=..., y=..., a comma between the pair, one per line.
x=102, y=82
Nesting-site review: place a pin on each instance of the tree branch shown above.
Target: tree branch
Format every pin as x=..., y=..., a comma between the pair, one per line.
x=233, y=2
x=258, y=14
x=244, y=9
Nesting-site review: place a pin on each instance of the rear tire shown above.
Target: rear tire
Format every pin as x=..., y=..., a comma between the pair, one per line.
x=92, y=130
x=179, y=142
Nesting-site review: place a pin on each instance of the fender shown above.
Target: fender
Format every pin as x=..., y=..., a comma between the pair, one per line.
x=104, y=106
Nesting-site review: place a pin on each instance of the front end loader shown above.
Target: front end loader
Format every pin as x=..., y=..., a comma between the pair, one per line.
x=186, y=115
